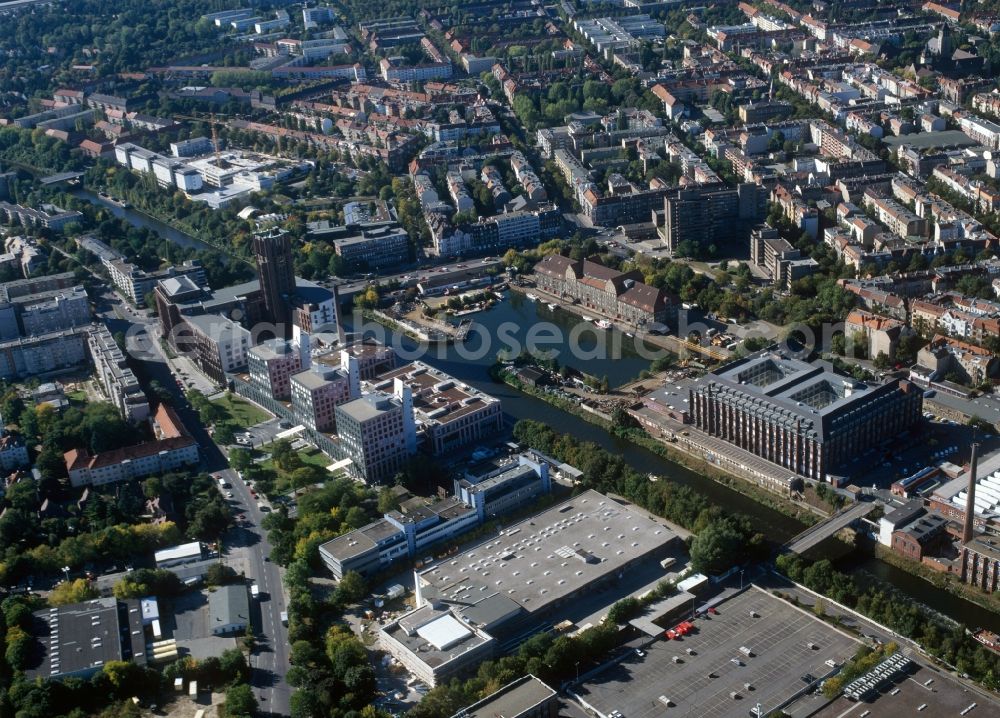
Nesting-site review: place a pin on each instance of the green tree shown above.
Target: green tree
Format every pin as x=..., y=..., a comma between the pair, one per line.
x=240, y=459
x=19, y=644
x=352, y=587
x=387, y=500
x=718, y=546
x=240, y=701
x=282, y=455
x=624, y=610
x=68, y=592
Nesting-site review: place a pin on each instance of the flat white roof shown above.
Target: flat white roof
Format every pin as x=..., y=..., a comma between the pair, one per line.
x=693, y=581
x=288, y=433
x=183, y=550
x=150, y=610
x=338, y=465
x=444, y=632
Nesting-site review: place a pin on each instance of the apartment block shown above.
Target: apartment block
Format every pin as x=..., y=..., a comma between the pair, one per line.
x=880, y=334
x=395, y=69
x=378, y=434
x=701, y=216
x=42, y=305
x=13, y=451
x=32, y=356
x=496, y=234
x=218, y=344
x=272, y=364
x=776, y=255
x=173, y=448
x=135, y=284
x=900, y=221
x=449, y=414
x=118, y=381
x=373, y=358
x=49, y=216
x=317, y=391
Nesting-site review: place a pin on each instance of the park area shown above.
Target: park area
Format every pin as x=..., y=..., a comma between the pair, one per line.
x=239, y=411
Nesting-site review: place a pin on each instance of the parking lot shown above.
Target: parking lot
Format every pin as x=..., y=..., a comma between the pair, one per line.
x=715, y=678
x=941, y=697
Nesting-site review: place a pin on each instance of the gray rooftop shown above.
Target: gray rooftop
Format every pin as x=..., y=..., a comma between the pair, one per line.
x=212, y=324
x=315, y=377
x=181, y=284
x=542, y=560
x=355, y=543
x=510, y=472
x=272, y=349
x=513, y=700
x=701, y=684
x=805, y=393
x=80, y=638
x=367, y=407
x=229, y=605
x=412, y=631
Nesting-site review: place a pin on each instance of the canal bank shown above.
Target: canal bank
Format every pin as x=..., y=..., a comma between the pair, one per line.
x=801, y=513
x=139, y=218
x=519, y=316
x=516, y=316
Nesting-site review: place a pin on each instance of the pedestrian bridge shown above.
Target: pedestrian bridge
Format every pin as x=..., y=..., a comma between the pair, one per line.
x=813, y=535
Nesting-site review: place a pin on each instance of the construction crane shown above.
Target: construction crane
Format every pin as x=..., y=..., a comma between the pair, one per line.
x=214, y=122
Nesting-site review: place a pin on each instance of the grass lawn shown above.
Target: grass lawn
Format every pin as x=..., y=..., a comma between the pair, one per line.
x=241, y=412
x=78, y=397
x=308, y=456
x=316, y=457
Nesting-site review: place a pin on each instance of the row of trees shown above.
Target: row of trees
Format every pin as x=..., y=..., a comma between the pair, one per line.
x=334, y=679
x=721, y=540
x=883, y=604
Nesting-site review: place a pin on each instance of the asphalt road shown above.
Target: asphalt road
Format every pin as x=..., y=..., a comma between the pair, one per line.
x=270, y=658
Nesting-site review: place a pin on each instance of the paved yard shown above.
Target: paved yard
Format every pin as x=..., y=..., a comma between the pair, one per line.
x=941, y=697
x=717, y=679
x=191, y=630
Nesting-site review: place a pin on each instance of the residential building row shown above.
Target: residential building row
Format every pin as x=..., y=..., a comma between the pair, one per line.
x=48, y=217
x=117, y=380
x=41, y=305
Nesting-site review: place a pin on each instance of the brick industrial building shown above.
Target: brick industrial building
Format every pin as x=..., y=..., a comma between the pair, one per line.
x=620, y=296
x=800, y=416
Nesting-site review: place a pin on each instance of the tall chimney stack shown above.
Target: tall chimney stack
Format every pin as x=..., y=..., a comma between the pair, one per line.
x=970, y=499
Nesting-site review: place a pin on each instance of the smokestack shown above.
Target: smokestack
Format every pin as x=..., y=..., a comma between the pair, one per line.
x=970, y=499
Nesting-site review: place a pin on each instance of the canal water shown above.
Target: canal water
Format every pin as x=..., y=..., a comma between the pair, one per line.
x=140, y=219
x=470, y=365
x=600, y=353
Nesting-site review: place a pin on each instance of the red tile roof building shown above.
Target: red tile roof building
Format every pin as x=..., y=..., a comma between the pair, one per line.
x=172, y=448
